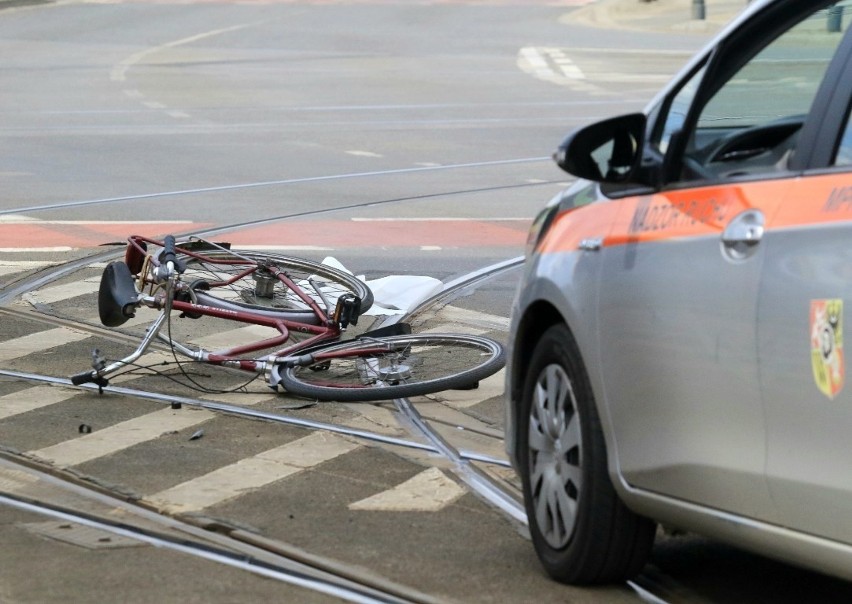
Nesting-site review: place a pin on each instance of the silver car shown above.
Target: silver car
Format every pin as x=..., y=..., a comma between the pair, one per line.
x=677, y=348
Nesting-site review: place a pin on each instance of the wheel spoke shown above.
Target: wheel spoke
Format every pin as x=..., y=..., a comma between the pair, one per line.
x=258, y=281
x=537, y=440
x=570, y=437
x=409, y=365
x=565, y=507
x=570, y=473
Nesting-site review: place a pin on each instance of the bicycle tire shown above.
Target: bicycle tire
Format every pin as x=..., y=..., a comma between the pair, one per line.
x=430, y=363
x=280, y=302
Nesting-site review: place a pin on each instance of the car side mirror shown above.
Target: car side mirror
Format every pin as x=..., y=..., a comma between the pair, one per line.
x=609, y=151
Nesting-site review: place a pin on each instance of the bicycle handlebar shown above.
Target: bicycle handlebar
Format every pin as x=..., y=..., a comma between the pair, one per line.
x=168, y=259
x=168, y=254
x=87, y=377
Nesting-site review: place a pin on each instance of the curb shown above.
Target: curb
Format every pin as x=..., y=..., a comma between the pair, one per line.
x=4, y=4
x=656, y=15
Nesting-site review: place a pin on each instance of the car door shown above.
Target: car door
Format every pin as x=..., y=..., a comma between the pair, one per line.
x=682, y=270
x=677, y=312
x=805, y=297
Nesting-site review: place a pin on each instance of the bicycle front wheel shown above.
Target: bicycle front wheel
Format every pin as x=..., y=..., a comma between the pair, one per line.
x=372, y=369
x=244, y=280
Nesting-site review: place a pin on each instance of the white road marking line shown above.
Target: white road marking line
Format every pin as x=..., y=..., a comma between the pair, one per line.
x=66, y=291
x=364, y=154
x=36, y=250
x=142, y=317
x=8, y=267
x=31, y=399
x=552, y=65
x=251, y=473
x=630, y=51
x=15, y=218
x=236, y=337
x=119, y=71
x=534, y=57
x=121, y=436
x=429, y=491
x=39, y=342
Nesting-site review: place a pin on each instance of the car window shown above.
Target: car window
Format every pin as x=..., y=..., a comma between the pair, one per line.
x=750, y=124
x=678, y=109
x=844, y=150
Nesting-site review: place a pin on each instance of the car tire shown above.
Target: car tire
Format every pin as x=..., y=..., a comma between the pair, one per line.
x=582, y=532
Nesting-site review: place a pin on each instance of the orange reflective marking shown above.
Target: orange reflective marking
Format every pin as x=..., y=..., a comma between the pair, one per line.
x=816, y=200
x=693, y=212
x=571, y=227
x=664, y=216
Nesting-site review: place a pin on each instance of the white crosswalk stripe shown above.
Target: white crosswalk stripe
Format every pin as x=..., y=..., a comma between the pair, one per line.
x=39, y=342
x=251, y=473
x=428, y=491
x=10, y=267
x=49, y=295
x=31, y=399
x=121, y=436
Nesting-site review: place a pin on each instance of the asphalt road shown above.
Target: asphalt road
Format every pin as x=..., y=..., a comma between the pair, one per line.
x=404, y=138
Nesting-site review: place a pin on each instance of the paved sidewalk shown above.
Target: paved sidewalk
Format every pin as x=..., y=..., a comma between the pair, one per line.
x=658, y=15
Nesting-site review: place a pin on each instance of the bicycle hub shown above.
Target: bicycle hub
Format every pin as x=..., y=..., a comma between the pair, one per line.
x=264, y=284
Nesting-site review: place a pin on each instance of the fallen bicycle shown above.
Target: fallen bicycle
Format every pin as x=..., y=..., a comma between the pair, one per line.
x=197, y=278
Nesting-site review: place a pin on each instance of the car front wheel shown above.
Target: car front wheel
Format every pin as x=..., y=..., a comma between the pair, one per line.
x=581, y=530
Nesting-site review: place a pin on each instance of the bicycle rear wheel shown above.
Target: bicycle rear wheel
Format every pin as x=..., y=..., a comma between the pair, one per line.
x=257, y=289
x=391, y=367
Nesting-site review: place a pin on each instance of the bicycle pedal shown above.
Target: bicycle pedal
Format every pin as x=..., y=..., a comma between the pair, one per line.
x=347, y=310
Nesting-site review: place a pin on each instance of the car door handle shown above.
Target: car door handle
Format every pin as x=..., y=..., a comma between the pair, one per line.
x=743, y=234
x=593, y=244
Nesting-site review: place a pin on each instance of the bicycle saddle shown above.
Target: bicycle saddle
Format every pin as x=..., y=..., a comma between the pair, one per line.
x=117, y=295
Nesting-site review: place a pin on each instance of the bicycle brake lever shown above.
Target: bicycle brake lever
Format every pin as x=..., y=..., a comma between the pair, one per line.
x=98, y=362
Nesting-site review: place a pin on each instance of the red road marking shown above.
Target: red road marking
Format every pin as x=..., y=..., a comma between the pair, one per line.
x=565, y=3
x=326, y=234
x=79, y=234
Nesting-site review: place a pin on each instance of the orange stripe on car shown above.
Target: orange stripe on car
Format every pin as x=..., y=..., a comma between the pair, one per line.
x=674, y=214
x=816, y=200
